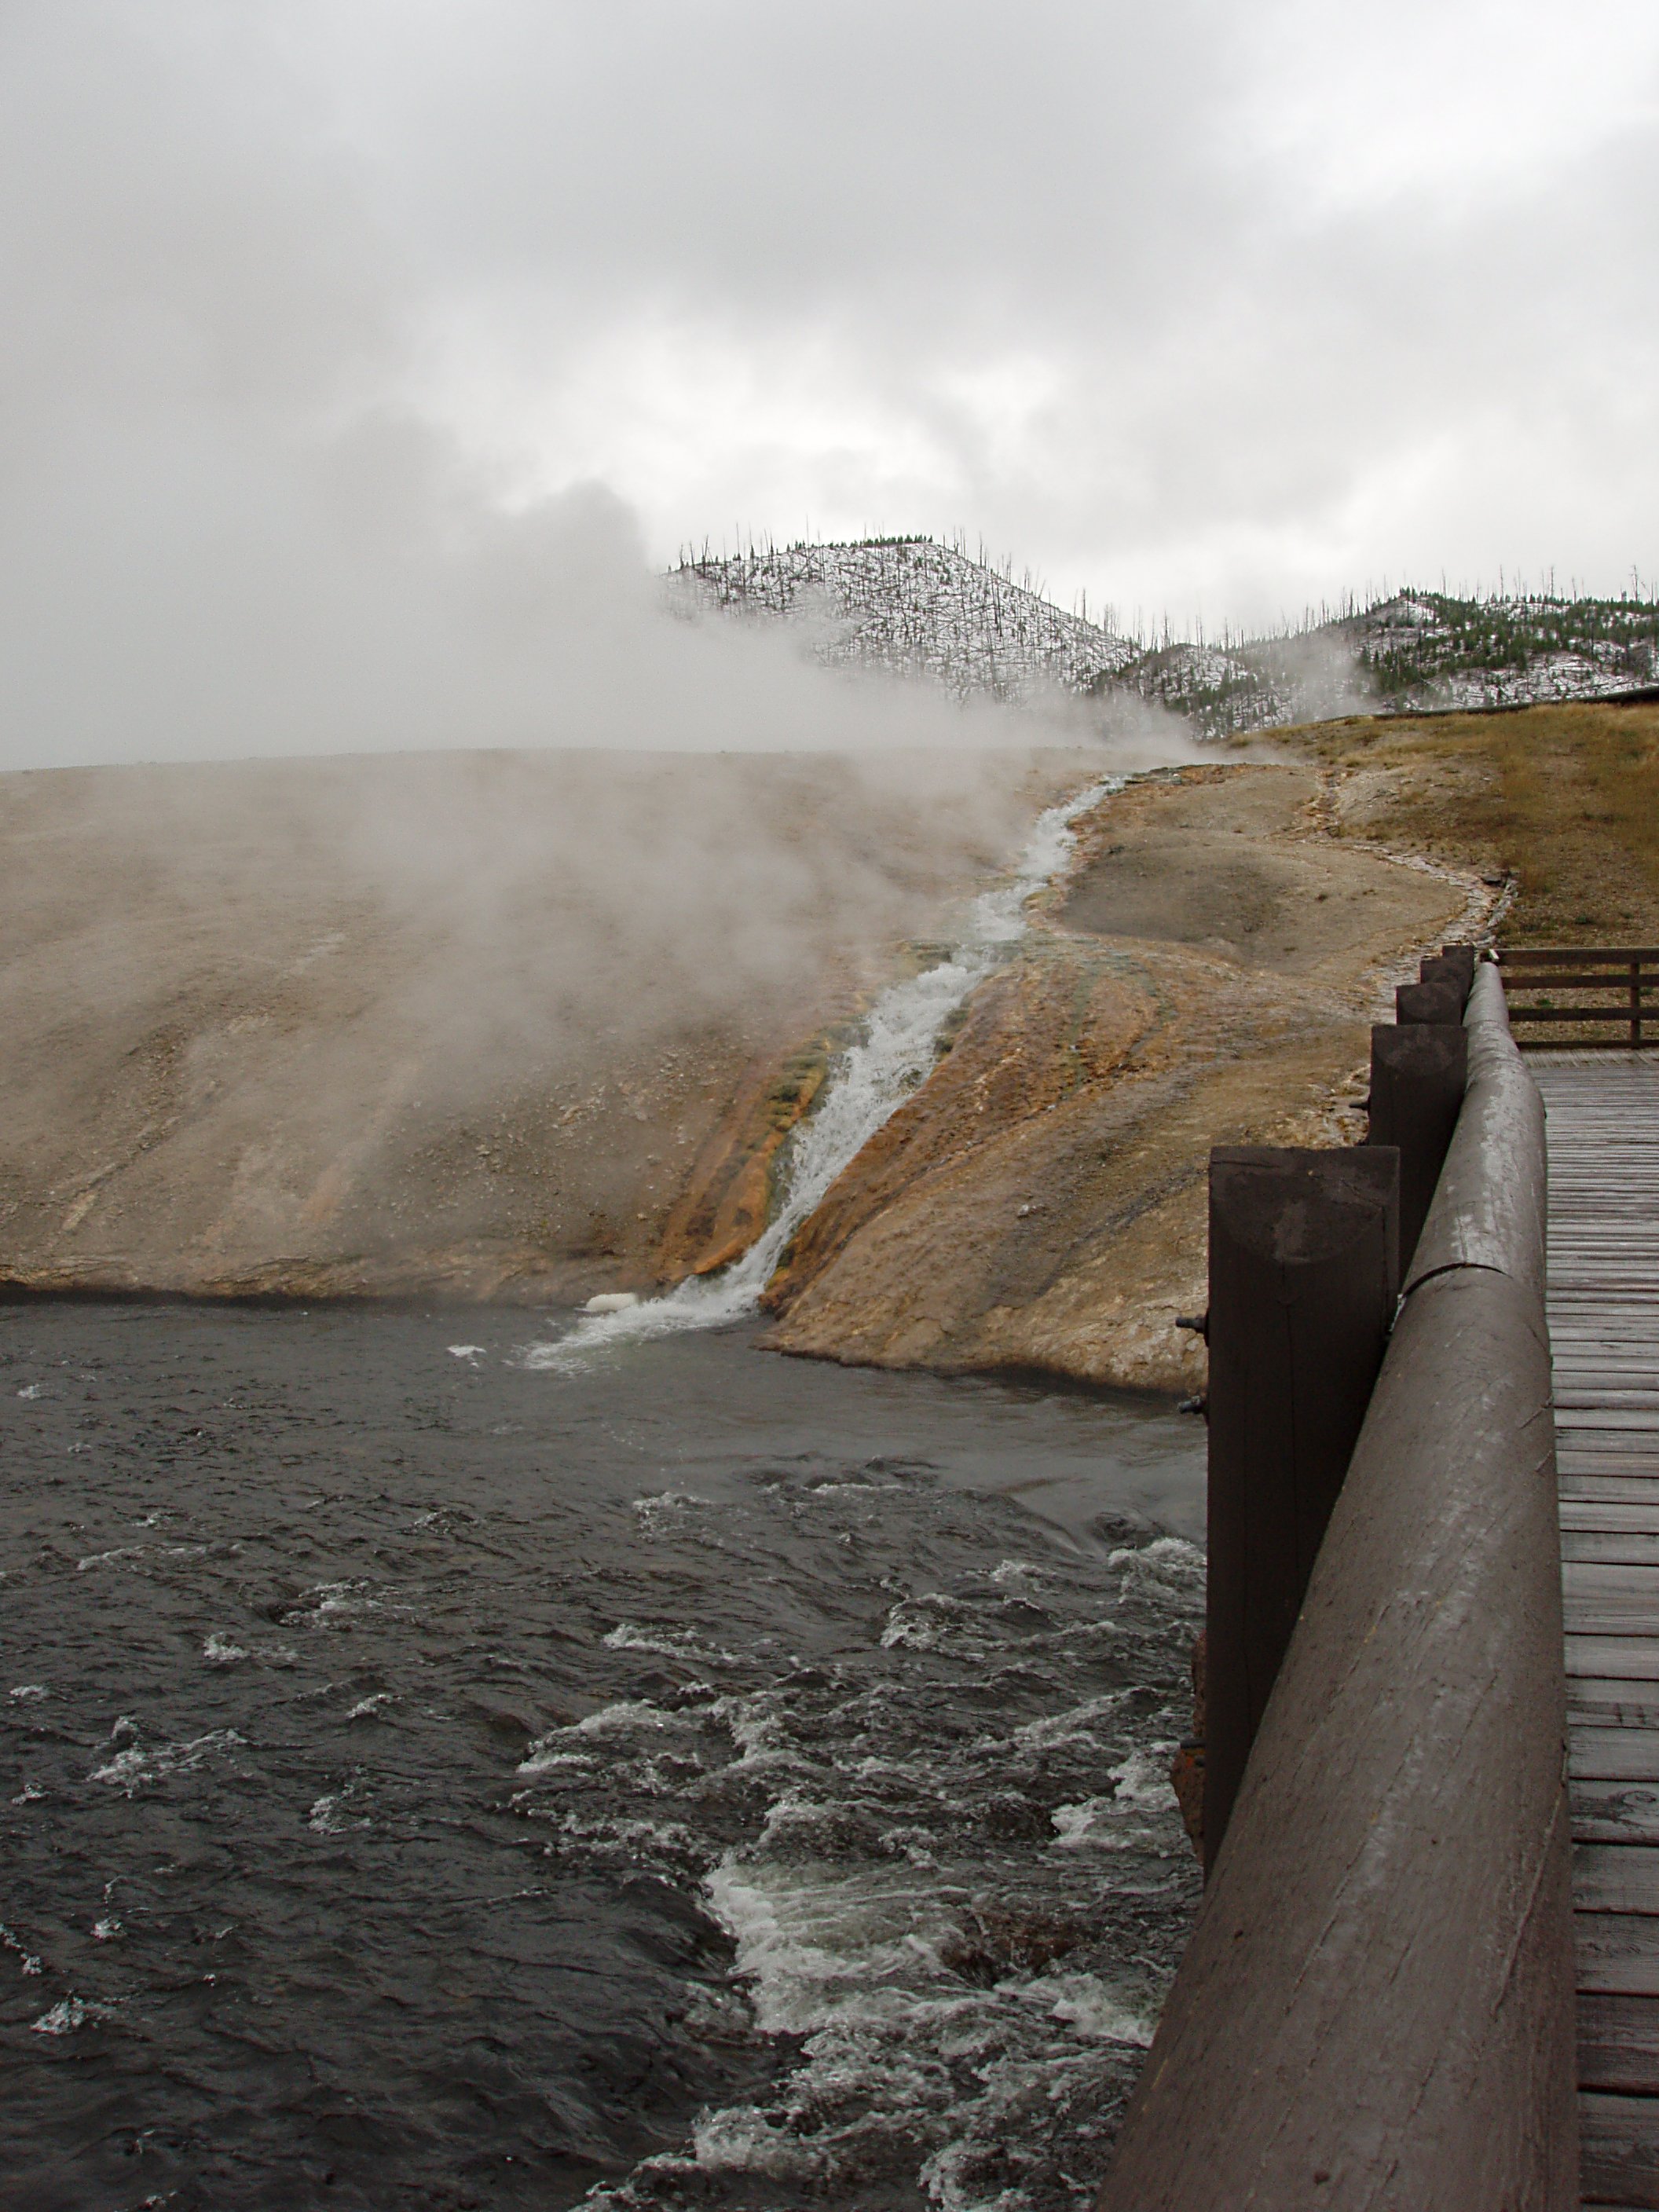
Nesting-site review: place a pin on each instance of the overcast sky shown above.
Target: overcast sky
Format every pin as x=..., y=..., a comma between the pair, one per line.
x=1215, y=306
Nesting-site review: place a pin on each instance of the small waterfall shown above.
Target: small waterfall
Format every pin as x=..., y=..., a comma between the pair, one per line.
x=866, y=1084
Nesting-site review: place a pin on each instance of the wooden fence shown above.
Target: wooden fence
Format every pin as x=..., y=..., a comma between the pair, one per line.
x=1577, y=992
x=1377, y=2005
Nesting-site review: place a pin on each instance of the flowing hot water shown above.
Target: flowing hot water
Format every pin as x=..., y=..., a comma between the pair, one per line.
x=866, y=1086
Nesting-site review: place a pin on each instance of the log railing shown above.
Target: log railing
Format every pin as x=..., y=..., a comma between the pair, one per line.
x=1572, y=988
x=1375, y=2008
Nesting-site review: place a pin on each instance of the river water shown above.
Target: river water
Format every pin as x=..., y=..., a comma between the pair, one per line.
x=684, y=1777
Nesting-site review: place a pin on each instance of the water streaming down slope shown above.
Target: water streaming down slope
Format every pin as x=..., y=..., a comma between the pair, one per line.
x=866, y=1084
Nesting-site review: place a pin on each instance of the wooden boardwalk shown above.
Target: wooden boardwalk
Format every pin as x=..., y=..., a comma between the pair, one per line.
x=1603, y=1123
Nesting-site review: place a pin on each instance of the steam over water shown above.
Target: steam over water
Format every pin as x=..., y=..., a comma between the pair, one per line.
x=702, y=1780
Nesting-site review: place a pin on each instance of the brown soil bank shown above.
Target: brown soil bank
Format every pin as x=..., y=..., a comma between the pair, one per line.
x=1566, y=800
x=517, y=1025
x=1207, y=976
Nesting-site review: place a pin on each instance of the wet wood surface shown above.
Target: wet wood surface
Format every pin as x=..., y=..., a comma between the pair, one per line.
x=1377, y=2005
x=1603, y=1299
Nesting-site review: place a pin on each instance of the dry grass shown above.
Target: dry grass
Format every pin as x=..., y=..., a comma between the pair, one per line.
x=1566, y=799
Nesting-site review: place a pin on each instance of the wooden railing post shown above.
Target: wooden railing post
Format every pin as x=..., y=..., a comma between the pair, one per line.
x=1450, y=966
x=1458, y=960
x=1439, y=1001
x=1304, y=1273
x=1636, y=1002
x=1418, y=1075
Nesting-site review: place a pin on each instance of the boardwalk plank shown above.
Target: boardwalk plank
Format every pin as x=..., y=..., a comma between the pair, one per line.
x=1619, y=2043
x=1598, y=1704
x=1597, y=1584
x=1616, y=1878
x=1609, y=1547
x=1614, y=1812
x=1620, y=2154
x=1614, y=1658
x=1603, y=1304
x=1618, y=1951
x=1615, y=1754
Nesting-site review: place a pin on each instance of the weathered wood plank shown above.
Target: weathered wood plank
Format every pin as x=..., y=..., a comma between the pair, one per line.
x=1618, y=1951
x=1616, y=1878
x=1635, y=1584
x=1615, y=1754
x=1612, y=1704
x=1614, y=1658
x=1609, y=1547
x=1583, y=1492
x=1607, y=1811
x=1619, y=2043
x=1619, y=2150
x=1604, y=1530
x=1594, y=1618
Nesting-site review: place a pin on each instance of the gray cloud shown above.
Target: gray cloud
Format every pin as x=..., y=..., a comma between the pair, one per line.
x=329, y=320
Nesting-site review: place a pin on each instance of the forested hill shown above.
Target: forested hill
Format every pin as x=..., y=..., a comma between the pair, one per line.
x=911, y=606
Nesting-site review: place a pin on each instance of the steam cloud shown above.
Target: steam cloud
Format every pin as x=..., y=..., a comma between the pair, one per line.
x=228, y=530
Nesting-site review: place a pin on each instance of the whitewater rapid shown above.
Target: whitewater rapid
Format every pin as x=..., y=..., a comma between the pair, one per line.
x=867, y=1084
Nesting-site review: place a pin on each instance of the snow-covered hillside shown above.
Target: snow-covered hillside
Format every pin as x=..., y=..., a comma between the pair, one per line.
x=1427, y=649
x=912, y=607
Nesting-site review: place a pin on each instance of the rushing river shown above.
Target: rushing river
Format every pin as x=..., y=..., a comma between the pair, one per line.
x=691, y=1778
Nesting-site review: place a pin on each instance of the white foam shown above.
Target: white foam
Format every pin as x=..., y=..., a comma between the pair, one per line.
x=744, y=2140
x=868, y=1084
x=1144, y=1777
x=26, y=1958
x=129, y=1769
x=1076, y=1724
x=335, y=1605
x=1088, y=2005
x=658, y=1513
x=67, y=2014
x=627, y=1716
x=1167, y=1561
x=673, y=1643
x=328, y=1817
x=220, y=1652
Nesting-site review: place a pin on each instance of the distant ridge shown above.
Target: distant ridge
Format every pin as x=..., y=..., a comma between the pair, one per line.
x=911, y=606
